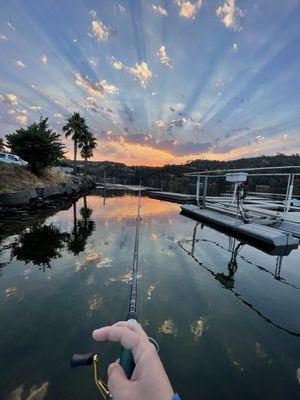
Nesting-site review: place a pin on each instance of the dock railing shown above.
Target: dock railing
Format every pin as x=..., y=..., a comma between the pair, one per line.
x=251, y=172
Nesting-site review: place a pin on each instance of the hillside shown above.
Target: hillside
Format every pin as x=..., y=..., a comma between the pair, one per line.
x=171, y=177
x=13, y=178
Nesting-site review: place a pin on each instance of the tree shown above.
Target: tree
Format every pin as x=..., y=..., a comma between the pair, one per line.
x=1, y=145
x=38, y=144
x=76, y=128
x=88, y=144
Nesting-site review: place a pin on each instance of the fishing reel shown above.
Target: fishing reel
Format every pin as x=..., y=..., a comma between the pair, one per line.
x=126, y=361
x=79, y=360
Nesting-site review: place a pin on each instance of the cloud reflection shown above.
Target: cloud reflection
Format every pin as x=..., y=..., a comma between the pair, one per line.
x=168, y=328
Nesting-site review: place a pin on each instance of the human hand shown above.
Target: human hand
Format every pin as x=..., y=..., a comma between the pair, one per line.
x=149, y=380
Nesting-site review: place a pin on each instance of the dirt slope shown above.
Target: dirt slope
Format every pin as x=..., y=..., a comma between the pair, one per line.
x=13, y=178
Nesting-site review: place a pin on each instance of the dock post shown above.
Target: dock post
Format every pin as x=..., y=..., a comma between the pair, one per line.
x=198, y=190
x=290, y=195
x=104, y=177
x=287, y=193
x=204, y=190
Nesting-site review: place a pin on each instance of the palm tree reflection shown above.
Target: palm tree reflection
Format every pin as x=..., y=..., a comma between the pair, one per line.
x=82, y=228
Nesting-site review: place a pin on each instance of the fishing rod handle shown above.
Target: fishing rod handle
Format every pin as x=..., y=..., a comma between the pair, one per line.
x=127, y=362
x=126, y=357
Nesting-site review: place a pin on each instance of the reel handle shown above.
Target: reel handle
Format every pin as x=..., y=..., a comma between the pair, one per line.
x=79, y=360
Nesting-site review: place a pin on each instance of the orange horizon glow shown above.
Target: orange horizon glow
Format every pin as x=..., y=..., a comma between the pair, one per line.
x=133, y=154
x=143, y=155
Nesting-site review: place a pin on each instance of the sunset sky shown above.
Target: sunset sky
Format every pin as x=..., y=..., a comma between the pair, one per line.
x=157, y=81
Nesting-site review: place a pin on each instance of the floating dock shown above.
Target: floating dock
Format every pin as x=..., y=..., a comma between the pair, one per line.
x=173, y=197
x=252, y=232
x=117, y=186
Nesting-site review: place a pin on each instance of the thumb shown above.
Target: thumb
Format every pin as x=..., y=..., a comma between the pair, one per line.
x=118, y=382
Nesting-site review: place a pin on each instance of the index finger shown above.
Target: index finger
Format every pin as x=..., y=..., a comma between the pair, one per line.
x=129, y=339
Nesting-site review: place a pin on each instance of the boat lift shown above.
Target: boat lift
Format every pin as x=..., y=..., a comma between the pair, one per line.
x=266, y=220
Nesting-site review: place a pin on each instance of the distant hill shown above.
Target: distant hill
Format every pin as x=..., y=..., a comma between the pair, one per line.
x=170, y=177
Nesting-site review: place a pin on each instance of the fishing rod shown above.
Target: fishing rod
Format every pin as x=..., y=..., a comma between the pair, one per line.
x=126, y=357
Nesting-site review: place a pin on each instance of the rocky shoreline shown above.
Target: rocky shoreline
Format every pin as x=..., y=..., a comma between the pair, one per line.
x=45, y=197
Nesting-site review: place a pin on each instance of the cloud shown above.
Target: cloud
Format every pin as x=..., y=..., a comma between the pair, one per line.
x=93, y=61
x=140, y=71
x=44, y=59
x=121, y=8
x=3, y=37
x=189, y=9
x=159, y=123
x=20, y=64
x=33, y=87
x=107, y=87
x=162, y=54
x=93, y=13
x=11, y=26
x=22, y=119
x=178, y=123
x=22, y=111
x=235, y=46
x=91, y=105
x=57, y=115
x=174, y=147
x=10, y=99
x=159, y=9
x=35, y=108
x=100, y=31
x=101, y=88
x=117, y=64
x=230, y=14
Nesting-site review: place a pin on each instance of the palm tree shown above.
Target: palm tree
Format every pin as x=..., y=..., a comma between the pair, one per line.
x=87, y=145
x=76, y=127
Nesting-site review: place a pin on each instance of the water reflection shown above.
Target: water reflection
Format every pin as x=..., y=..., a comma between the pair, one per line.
x=42, y=243
x=197, y=328
x=39, y=245
x=36, y=392
x=168, y=328
x=82, y=228
x=228, y=280
x=212, y=333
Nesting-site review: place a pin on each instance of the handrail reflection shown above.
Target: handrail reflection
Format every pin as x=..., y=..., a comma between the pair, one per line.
x=227, y=281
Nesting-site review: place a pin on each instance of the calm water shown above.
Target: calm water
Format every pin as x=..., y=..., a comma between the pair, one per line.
x=227, y=328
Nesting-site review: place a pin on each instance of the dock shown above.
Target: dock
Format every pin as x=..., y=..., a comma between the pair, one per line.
x=117, y=186
x=173, y=197
x=252, y=232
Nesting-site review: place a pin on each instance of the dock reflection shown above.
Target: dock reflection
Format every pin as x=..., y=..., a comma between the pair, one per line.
x=227, y=280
